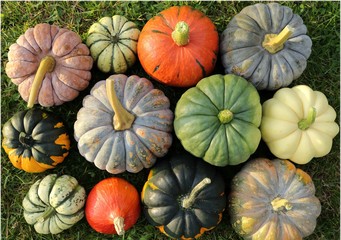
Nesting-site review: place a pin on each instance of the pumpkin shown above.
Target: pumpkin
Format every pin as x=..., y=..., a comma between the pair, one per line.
x=125, y=124
x=178, y=46
x=54, y=204
x=49, y=64
x=113, y=42
x=184, y=196
x=266, y=44
x=35, y=140
x=218, y=119
x=273, y=200
x=113, y=206
x=298, y=124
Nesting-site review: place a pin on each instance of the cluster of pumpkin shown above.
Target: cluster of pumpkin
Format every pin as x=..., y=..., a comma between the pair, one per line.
x=125, y=123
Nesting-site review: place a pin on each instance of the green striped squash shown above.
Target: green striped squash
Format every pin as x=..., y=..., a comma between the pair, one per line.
x=112, y=42
x=54, y=203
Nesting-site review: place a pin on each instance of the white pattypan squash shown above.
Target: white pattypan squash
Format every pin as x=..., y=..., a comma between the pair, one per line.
x=298, y=124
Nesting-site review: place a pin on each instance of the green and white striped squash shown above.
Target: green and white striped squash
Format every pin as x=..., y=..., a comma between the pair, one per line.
x=54, y=204
x=125, y=124
x=112, y=42
x=218, y=119
x=267, y=44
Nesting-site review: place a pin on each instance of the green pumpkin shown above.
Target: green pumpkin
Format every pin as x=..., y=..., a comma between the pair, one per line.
x=113, y=42
x=218, y=119
x=272, y=199
x=54, y=204
x=184, y=197
x=125, y=124
x=266, y=44
x=35, y=140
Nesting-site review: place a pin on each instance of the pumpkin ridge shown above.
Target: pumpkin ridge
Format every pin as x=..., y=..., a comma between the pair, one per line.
x=165, y=21
x=208, y=98
x=128, y=29
x=59, y=219
x=124, y=55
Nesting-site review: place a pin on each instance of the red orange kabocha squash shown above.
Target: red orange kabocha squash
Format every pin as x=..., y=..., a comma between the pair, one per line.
x=179, y=46
x=49, y=64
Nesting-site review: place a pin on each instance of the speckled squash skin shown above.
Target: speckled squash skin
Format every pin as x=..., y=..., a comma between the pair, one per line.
x=113, y=43
x=173, y=180
x=243, y=53
x=272, y=199
x=147, y=138
x=218, y=119
x=35, y=140
x=70, y=70
x=54, y=204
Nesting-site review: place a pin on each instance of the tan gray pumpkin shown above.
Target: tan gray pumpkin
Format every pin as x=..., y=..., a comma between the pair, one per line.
x=266, y=44
x=49, y=64
x=124, y=124
x=272, y=199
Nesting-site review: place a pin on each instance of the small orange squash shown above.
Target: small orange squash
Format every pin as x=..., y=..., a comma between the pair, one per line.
x=179, y=46
x=49, y=64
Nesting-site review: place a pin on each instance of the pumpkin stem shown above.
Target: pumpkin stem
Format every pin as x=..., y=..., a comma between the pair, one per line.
x=305, y=123
x=25, y=140
x=188, y=201
x=119, y=225
x=279, y=204
x=225, y=116
x=46, y=65
x=122, y=118
x=180, y=34
x=48, y=212
x=275, y=42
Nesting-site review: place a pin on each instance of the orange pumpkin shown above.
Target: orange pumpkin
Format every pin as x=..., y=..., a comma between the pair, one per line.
x=179, y=46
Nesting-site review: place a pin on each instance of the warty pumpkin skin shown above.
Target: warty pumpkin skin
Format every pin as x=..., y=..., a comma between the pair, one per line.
x=124, y=124
x=35, y=140
x=273, y=200
x=49, y=64
x=218, y=119
x=266, y=44
x=54, y=204
x=113, y=43
x=184, y=197
x=178, y=46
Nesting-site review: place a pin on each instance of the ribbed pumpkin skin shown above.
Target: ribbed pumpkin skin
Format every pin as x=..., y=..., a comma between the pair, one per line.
x=169, y=182
x=35, y=140
x=71, y=73
x=113, y=43
x=202, y=133
x=180, y=66
x=54, y=204
x=242, y=52
x=133, y=149
x=273, y=200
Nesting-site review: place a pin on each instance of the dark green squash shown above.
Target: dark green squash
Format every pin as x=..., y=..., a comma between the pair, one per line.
x=184, y=197
x=35, y=140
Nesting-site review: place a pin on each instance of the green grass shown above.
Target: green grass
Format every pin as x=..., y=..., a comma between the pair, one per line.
x=322, y=73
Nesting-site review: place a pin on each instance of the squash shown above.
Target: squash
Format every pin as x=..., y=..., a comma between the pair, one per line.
x=125, y=124
x=49, y=64
x=113, y=206
x=54, y=204
x=298, y=124
x=113, y=42
x=266, y=44
x=218, y=119
x=273, y=200
x=184, y=196
x=35, y=140
x=178, y=46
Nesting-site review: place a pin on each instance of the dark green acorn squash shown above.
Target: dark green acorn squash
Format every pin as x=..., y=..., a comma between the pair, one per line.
x=184, y=197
